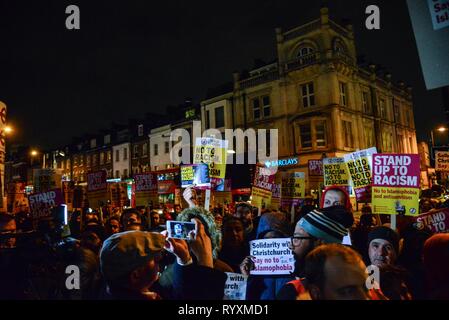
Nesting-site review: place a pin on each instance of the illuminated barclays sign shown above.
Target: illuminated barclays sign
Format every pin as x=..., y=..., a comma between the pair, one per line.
x=282, y=162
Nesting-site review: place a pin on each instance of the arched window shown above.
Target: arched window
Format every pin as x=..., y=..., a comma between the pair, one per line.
x=304, y=51
x=339, y=46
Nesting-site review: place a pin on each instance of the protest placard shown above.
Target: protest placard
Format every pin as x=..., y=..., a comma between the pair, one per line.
x=292, y=188
x=146, y=188
x=262, y=185
x=359, y=166
x=272, y=256
x=46, y=179
x=315, y=168
x=436, y=221
x=41, y=203
x=196, y=176
x=335, y=172
x=396, y=179
x=442, y=161
x=97, y=189
x=68, y=188
x=212, y=152
x=235, y=286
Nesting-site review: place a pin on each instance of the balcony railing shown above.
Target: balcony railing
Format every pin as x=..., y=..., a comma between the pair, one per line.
x=344, y=57
x=302, y=62
x=263, y=78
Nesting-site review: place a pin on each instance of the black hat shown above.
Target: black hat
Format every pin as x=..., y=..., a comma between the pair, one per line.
x=385, y=233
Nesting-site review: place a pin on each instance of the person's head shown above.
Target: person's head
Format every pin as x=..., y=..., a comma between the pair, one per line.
x=91, y=217
x=208, y=221
x=329, y=225
x=233, y=232
x=130, y=260
x=366, y=220
x=243, y=211
x=154, y=219
x=7, y=226
x=112, y=225
x=383, y=246
x=335, y=196
x=335, y=272
x=393, y=283
x=90, y=240
x=178, y=229
x=436, y=264
x=131, y=220
x=273, y=225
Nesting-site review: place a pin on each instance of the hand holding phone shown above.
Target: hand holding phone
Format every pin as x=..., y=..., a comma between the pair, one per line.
x=180, y=230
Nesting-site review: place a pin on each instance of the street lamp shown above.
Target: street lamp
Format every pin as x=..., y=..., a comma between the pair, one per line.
x=8, y=129
x=33, y=154
x=440, y=129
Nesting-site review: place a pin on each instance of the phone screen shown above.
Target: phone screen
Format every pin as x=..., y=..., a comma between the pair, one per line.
x=180, y=229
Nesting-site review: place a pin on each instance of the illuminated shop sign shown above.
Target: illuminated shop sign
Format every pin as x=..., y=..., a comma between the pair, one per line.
x=282, y=162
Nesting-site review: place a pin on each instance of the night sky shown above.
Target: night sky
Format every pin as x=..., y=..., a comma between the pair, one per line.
x=131, y=57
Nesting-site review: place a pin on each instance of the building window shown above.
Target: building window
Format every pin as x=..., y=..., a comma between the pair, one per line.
x=117, y=155
x=125, y=153
x=219, y=117
x=305, y=51
x=396, y=112
x=125, y=173
x=382, y=109
x=88, y=160
x=156, y=168
x=107, y=139
x=140, y=130
x=101, y=158
x=117, y=173
x=308, y=95
x=81, y=160
x=256, y=108
x=93, y=143
x=400, y=139
x=305, y=133
x=387, y=142
x=167, y=147
x=108, y=157
x=343, y=94
x=369, y=137
x=320, y=131
x=94, y=159
x=365, y=103
x=347, y=132
x=135, y=151
x=207, y=119
x=266, y=106
x=144, y=150
x=156, y=149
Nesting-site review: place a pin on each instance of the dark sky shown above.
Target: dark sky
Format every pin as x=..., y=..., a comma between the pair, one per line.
x=131, y=57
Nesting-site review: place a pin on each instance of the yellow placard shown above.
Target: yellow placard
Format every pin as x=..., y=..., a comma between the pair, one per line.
x=213, y=152
x=393, y=200
x=260, y=197
x=293, y=186
x=335, y=172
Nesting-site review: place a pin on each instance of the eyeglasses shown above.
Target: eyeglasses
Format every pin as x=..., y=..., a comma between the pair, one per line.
x=296, y=240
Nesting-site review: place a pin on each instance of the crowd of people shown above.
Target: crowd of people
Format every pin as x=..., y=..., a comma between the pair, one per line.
x=129, y=255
